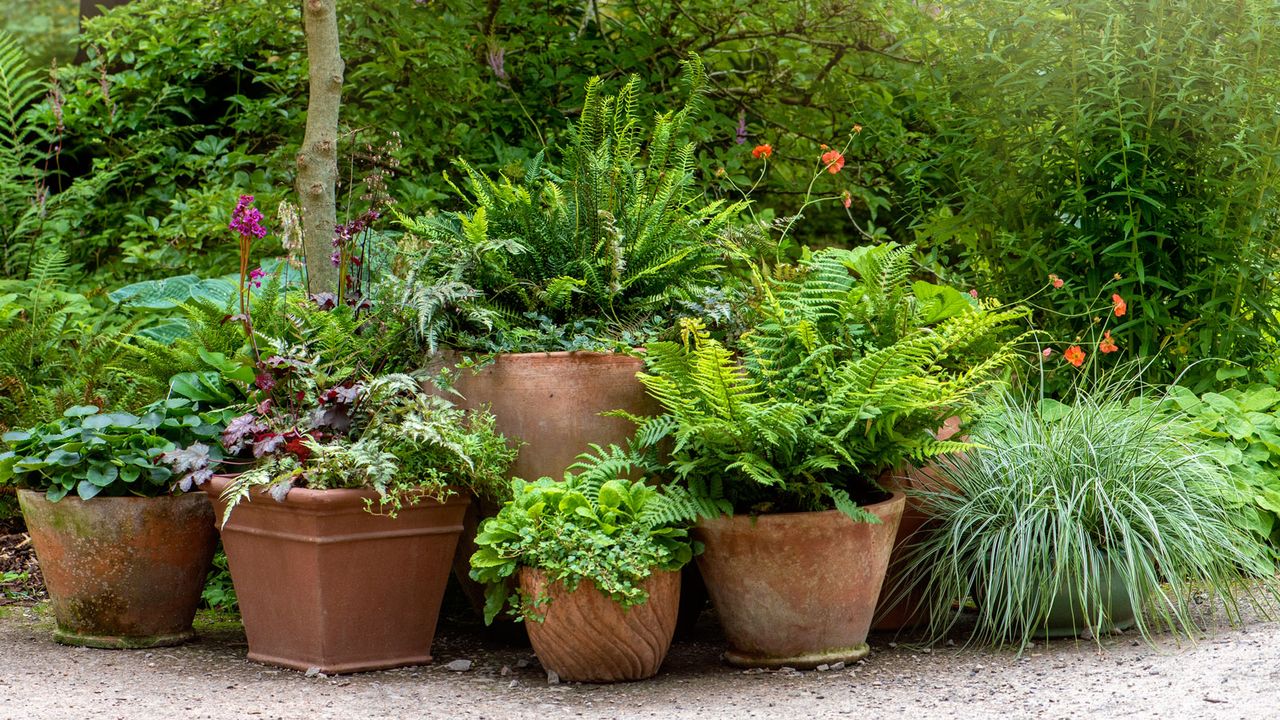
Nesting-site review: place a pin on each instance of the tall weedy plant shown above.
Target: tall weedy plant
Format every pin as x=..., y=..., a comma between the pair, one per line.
x=1134, y=144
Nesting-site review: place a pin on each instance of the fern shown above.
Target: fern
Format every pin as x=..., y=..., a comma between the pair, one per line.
x=848, y=368
x=617, y=238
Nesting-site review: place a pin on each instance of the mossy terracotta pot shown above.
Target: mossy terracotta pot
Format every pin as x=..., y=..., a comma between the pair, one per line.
x=552, y=405
x=797, y=589
x=323, y=583
x=122, y=572
x=587, y=637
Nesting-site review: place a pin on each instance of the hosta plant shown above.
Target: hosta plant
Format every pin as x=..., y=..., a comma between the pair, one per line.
x=593, y=525
x=590, y=252
x=1099, y=507
x=847, y=368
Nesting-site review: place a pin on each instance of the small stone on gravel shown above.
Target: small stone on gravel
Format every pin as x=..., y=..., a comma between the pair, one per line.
x=459, y=666
x=553, y=678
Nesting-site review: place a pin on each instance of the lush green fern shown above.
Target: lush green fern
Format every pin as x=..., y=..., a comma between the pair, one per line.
x=847, y=370
x=56, y=349
x=615, y=239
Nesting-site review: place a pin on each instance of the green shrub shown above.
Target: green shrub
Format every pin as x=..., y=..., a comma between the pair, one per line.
x=1241, y=429
x=1127, y=147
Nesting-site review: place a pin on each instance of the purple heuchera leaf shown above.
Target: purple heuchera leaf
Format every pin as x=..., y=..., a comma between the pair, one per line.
x=347, y=395
x=264, y=382
x=240, y=431
x=267, y=443
x=325, y=300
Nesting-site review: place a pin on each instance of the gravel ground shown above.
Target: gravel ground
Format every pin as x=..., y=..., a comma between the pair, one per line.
x=1230, y=673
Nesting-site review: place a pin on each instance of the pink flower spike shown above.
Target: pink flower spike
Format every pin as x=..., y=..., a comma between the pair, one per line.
x=1047, y=352
x=256, y=275
x=973, y=294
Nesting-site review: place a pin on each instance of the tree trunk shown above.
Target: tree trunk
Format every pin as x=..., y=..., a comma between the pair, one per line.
x=318, y=158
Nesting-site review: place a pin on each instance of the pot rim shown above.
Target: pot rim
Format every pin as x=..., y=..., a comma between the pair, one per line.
x=76, y=499
x=879, y=508
x=332, y=497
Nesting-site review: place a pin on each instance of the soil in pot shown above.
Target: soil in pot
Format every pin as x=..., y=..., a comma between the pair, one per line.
x=797, y=589
x=122, y=572
x=587, y=637
x=323, y=583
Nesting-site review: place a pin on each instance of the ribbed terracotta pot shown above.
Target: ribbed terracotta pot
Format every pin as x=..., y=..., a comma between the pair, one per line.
x=122, y=572
x=587, y=637
x=323, y=583
x=797, y=589
x=552, y=403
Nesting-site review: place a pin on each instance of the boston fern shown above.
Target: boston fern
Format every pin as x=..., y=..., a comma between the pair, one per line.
x=593, y=526
x=846, y=371
x=615, y=238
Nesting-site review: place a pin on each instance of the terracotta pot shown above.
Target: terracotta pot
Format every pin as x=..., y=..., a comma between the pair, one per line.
x=122, y=572
x=797, y=589
x=323, y=583
x=552, y=403
x=587, y=637
x=902, y=605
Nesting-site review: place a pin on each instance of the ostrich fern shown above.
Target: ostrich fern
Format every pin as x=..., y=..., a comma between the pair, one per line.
x=617, y=237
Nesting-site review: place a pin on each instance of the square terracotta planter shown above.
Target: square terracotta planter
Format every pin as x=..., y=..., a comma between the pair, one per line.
x=323, y=583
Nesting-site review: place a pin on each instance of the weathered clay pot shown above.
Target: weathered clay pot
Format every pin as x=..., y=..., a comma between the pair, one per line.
x=551, y=402
x=323, y=583
x=797, y=589
x=122, y=572
x=901, y=604
x=587, y=637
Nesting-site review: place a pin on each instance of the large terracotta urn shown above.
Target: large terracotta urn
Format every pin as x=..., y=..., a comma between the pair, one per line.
x=584, y=636
x=324, y=583
x=797, y=589
x=122, y=572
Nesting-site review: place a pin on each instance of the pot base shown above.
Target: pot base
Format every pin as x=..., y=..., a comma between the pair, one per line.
x=808, y=661
x=385, y=663
x=122, y=642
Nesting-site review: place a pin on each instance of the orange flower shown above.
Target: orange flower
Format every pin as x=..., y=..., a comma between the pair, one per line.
x=1107, y=345
x=1056, y=281
x=1074, y=355
x=833, y=161
x=846, y=198
x=1120, y=306
x=857, y=128
x=762, y=151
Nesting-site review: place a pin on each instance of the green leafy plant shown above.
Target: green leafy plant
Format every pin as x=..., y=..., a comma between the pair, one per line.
x=88, y=453
x=387, y=434
x=845, y=370
x=1105, y=502
x=1240, y=428
x=614, y=243
x=591, y=526
x=1079, y=139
